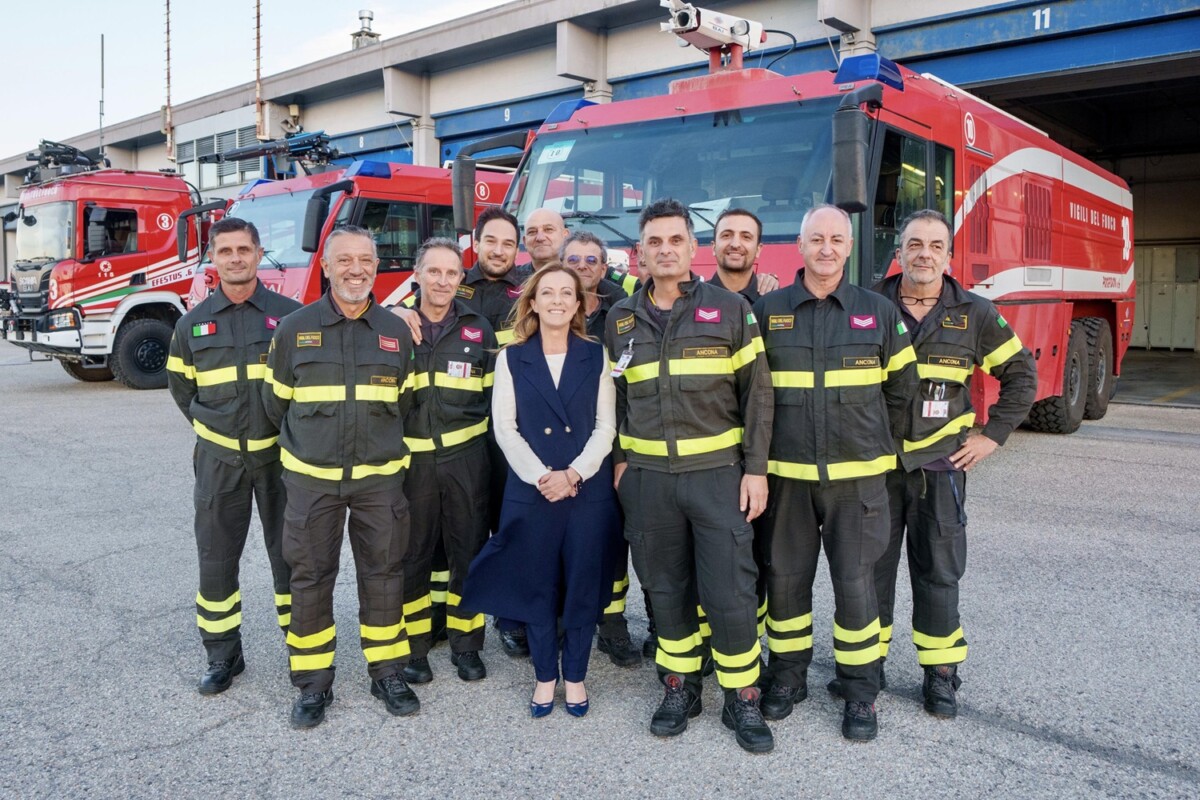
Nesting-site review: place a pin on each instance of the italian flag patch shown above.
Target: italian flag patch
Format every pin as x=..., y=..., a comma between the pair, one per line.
x=1001, y=321
x=204, y=329
x=750, y=320
x=901, y=328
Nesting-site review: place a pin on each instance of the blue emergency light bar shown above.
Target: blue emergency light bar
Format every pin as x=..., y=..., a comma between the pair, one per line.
x=563, y=111
x=369, y=169
x=870, y=67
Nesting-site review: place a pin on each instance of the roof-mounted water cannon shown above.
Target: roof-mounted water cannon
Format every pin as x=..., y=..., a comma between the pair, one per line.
x=719, y=34
x=307, y=149
x=55, y=159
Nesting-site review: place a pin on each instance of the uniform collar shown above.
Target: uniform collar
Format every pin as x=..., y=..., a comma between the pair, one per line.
x=953, y=293
x=750, y=292
x=514, y=277
x=258, y=298
x=799, y=293
x=332, y=315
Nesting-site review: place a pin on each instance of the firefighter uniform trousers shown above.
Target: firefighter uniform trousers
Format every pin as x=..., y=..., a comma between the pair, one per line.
x=312, y=545
x=677, y=524
x=929, y=504
x=850, y=518
x=223, y=497
x=447, y=501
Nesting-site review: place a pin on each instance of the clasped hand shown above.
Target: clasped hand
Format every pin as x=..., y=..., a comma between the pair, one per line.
x=559, y=484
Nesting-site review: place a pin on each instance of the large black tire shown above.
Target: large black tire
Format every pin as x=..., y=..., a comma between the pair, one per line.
x=80, y=372
x=1102, y=383
x=1064, y=413
x=139, y=357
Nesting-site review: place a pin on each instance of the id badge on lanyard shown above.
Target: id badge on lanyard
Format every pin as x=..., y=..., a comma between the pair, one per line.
x=623, y=362
x=937, y=407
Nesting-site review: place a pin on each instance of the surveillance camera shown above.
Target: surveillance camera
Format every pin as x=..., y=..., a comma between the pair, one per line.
x=706, y=29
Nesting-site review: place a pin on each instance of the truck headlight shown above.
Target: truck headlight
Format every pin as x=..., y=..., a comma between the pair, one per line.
x=62, y=320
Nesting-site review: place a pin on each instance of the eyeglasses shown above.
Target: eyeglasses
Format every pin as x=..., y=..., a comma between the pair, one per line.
x=929, y=302
x=575, y=261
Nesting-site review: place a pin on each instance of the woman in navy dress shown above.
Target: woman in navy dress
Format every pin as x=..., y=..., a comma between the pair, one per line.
x=554, y=413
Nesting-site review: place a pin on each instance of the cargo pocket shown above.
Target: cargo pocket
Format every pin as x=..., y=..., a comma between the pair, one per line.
x=875, y=527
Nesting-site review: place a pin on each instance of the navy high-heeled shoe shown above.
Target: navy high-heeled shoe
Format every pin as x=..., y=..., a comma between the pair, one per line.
x=577, y=709
x=539, y=710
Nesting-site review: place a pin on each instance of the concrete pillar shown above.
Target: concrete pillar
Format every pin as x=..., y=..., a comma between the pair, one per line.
x=852, y=20
x=582, y=55
x=406, y=94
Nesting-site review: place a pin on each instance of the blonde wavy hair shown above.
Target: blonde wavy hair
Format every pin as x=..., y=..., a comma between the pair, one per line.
x=526, y=321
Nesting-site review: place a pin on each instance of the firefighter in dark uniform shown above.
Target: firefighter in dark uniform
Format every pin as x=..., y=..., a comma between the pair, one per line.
x=447, y=484
x=953, y=331
x=586, y=255
x=215, y=372
x=339, y=382
x=694, y=415
x=843, y=373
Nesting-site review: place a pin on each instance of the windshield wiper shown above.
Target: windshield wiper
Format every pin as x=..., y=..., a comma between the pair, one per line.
x=274, y=263
x=35, y=260
x=588, y=216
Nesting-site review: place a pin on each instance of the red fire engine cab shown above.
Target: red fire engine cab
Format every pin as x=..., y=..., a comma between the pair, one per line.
x=97, y=282
x=1039, y=230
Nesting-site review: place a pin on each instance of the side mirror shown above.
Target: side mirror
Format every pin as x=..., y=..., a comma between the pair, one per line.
x=462, y=183
x=315, y=213
x=183, y=225
x=852, y=148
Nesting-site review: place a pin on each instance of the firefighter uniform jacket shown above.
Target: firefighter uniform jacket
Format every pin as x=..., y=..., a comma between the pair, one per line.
x=962, y=331
x=628, y=283
x=610, y=294
x=750, y=292
x=695, y=394
x=339, y=389
x=841, y=368
x=494, y=299
x=452, y=384
x=216, y=365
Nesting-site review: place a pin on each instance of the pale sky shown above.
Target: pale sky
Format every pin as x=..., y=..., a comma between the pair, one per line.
x=51, y=58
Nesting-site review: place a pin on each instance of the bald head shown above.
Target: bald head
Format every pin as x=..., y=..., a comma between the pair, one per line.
x=545, y=233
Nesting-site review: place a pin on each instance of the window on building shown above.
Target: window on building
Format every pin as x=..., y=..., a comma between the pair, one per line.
x=225, y=173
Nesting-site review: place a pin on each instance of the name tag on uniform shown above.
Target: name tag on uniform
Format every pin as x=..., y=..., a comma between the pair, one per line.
x=458, y=369
x=465, y=292
x=935, y=409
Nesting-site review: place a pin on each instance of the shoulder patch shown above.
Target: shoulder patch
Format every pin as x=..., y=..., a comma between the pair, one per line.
x=1001, y=321
x=625, y=325
x=901, y=328
x=272, y=323
x=712, y=315
x=204, y=328
x=956, y=321
x=750, y=320
x=389, y=344
x=781, y=322
x=308, y=339
x=862, y=322
x=465, y=292
x=471, y=334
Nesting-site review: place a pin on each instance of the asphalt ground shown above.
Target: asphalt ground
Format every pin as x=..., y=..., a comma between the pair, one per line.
x=1080, y=604
x=1160, y=377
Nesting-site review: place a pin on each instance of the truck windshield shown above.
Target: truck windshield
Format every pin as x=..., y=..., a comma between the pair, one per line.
x=51, y=237
x=771, y=160
x=280, y=222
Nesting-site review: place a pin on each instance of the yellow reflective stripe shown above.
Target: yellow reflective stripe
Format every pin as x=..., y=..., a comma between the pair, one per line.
x=798, y=379
x=442, y=576
x=381, y=394
x=313, y=639
x=642, y=372
x=316, y=661
x=935, y=372
x=789, y=645
x=281, y=390
x=285, y=619
x=835, y=378
x=387, y=468
x=380, y=633
x=793, y=470
x=789, y=625
x=409, y=383
x=737, y=680
x=205, y=432
x=700, y=366
x=678, y=646
x=465, y=625
x=901, y=360
x=290, y=462
x=421, y=380
x=219, y=625
x=438, y=597
x=413, y=606
x=672, y=663
x=256, y=372
x=708, y=444
x=283, y=599
x=705, y=630
x=856, y=658
x=453, y=600
x=319, y=394
x=489, y=380
x=949, y=429
x=464, y=384
x=646, y=447
x=212, y=377
x=420, y=626
x=504, y=337
x=861, y=469
x=629, y=284
x=219, y=606
x=1001, y=354
x=615, y=607
x=737, y=660
x=464, y=434
x=175, y=364
x=855, y=636
x=748, y=353
x=885, y=634
x=621, y=584
x=395, y=650
x=952, y=655
x=419, y=445
x=936, y=642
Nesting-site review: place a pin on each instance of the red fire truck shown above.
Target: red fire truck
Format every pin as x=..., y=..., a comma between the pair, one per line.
x=97, y=282
x=400, y=204
x=1039, y=230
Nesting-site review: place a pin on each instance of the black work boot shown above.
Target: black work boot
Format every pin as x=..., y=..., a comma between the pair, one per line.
x=219, y=675
x=742, y=716
x=515, y=642
x=620, y=650
x=470, y=665
x=418, y=670
x=677, y=707
x=859, y=723
x=309, y=709
x=778, y=700
x=395, y=694
x=939, y=689
x=835, y=686
x=650, y=646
